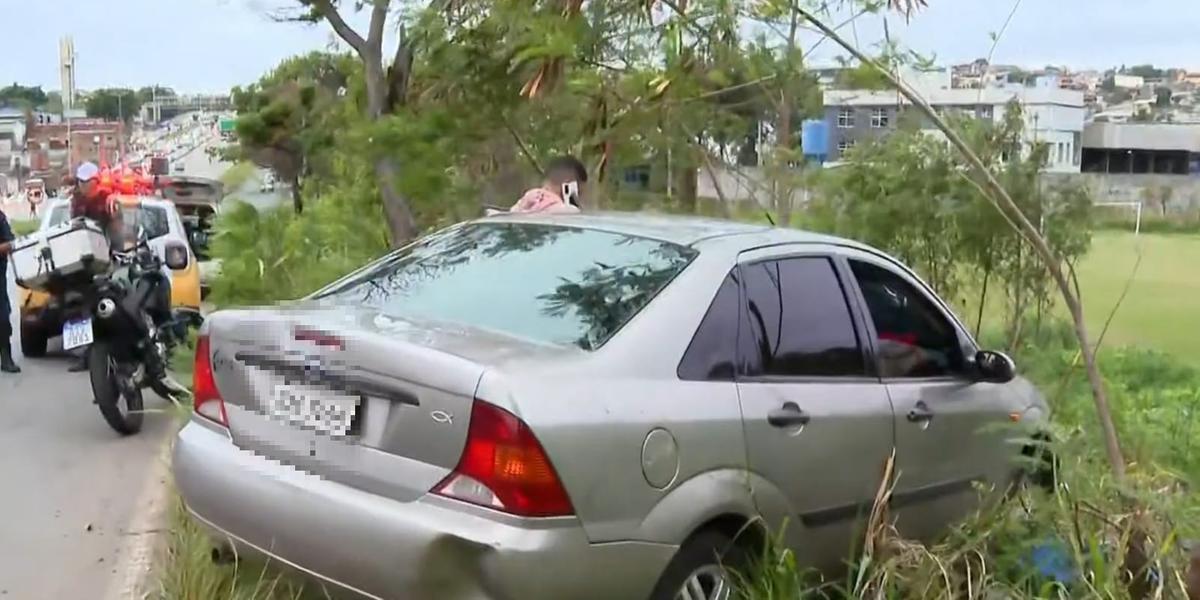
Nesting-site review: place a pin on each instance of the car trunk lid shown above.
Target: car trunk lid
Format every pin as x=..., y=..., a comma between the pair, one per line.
x=410, y=385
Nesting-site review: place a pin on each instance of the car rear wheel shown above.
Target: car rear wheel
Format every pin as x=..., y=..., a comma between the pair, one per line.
x=33, y=342
x=699, y=571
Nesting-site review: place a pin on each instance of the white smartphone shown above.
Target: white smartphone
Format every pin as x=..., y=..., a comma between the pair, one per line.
x=570, y=193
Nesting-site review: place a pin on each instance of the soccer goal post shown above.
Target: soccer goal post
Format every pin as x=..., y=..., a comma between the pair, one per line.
x=1134, y=207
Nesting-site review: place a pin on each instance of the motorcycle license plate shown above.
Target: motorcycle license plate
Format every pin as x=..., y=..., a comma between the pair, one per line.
x=314, y=409
x=77, y=333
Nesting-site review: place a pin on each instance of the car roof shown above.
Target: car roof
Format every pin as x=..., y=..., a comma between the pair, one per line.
x=683, y=230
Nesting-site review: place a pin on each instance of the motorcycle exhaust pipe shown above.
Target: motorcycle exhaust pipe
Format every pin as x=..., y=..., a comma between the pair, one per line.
x=106, y=308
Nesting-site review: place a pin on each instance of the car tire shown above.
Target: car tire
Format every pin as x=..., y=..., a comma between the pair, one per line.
x=33, y=342
x=702, y=561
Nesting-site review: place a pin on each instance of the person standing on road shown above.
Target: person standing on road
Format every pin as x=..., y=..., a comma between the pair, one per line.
x=561, y=191
x=6, y=358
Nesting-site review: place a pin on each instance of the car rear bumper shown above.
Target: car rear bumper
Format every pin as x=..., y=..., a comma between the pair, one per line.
x=378, y=547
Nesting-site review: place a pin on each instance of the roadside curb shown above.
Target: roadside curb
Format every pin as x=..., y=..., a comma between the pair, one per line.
x=132, y=577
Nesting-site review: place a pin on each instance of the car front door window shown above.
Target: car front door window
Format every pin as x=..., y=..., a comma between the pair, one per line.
x=913, y=338
x=922, y=360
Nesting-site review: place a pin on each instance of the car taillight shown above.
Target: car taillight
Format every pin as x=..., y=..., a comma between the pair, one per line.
x=504, y=467
x=206, y=400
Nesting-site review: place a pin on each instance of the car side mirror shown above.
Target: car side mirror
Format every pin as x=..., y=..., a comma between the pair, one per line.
x=994, y=367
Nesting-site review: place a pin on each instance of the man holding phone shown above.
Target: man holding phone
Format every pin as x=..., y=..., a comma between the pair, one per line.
x=562, y=190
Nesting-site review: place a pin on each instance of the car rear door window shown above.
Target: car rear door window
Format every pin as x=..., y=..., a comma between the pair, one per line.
x=913, y=337
x=796, y=321
x=710, y=356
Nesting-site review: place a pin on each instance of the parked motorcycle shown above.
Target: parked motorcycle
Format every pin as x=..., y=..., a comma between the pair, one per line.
x=134, y=331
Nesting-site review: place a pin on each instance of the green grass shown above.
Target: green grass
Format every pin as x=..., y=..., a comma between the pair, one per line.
x=187, y=571
x=1162, y=308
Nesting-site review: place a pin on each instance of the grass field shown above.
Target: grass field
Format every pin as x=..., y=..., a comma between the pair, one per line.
x=1162, y=309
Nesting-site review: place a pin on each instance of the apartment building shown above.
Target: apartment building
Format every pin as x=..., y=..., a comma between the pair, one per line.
x=1053, y=116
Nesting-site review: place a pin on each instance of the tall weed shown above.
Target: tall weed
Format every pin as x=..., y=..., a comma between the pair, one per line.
x=277, y=255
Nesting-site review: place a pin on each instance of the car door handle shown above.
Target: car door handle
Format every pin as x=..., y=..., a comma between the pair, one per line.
x=788, y=415
x=920, y=413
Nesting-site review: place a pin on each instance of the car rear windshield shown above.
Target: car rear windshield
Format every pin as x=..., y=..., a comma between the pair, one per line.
x=152, y=218
x=561, y=285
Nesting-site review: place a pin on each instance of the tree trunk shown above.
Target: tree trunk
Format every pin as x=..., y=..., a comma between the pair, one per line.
x=381, y=87
x=401, y=223
x=783, y=193
x=987, y=275
x=297, y=201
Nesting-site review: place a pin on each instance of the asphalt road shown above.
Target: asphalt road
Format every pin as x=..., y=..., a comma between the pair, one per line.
x=70, y=486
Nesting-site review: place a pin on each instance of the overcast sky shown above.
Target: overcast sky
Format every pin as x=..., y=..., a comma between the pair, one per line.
x=210, y=45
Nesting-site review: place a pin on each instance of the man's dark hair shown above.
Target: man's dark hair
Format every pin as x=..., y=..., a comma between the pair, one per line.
x=566, y=165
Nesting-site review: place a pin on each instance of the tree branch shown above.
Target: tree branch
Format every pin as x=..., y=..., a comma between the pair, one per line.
x=400, y=70
x=340, y=27
x=1003, y=202
x=524, y=148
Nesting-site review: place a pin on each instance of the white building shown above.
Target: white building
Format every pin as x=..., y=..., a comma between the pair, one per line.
x=1053, y=116
x=1128, y=82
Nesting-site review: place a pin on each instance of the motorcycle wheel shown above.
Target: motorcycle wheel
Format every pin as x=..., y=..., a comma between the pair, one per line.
x=109, y=398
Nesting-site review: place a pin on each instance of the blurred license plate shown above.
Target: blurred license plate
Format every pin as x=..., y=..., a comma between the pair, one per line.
x=315, y=409
x=77, y=333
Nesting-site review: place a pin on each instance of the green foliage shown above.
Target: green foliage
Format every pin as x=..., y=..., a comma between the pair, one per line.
x=112, y=104
x=910, y=194
x=53, y=103
x=149, y=93
x=1162, y=97
x=1146, y=71
x=22, y=96
x=277, y=254
x=291, y=118
x=863, y=77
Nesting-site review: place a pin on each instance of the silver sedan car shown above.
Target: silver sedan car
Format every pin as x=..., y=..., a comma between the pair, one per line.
x=591, y=406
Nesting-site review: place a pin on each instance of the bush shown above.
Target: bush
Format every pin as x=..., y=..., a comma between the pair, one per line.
x=277, y=255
